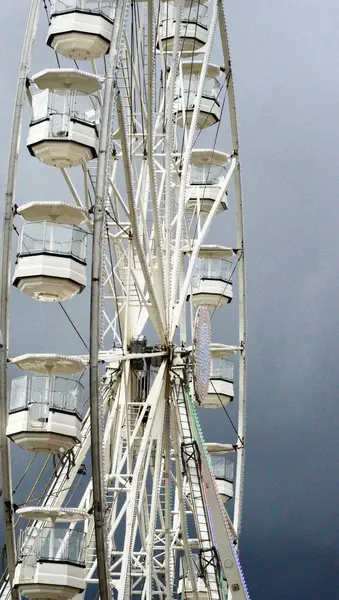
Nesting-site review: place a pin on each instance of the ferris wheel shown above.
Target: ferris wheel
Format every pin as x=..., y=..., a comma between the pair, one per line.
x=135, y=108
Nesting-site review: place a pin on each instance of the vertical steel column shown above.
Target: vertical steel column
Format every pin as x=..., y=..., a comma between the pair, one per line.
x=103, y=181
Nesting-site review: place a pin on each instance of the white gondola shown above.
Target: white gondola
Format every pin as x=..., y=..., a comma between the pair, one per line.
x=193, y=33
x=51, y=559
x=51, y=259
x=221, y=386
x=81, y=29
x=212, y=284
x=223, y=470
x=64, y=129
x=208, y=171
x=45, y=413
x=185, y=102
x=52, y=429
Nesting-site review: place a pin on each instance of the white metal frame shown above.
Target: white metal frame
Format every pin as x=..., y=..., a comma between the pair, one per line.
x=141, y=514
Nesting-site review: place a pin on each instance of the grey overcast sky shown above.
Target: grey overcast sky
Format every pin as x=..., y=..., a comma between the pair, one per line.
x=285, y=60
